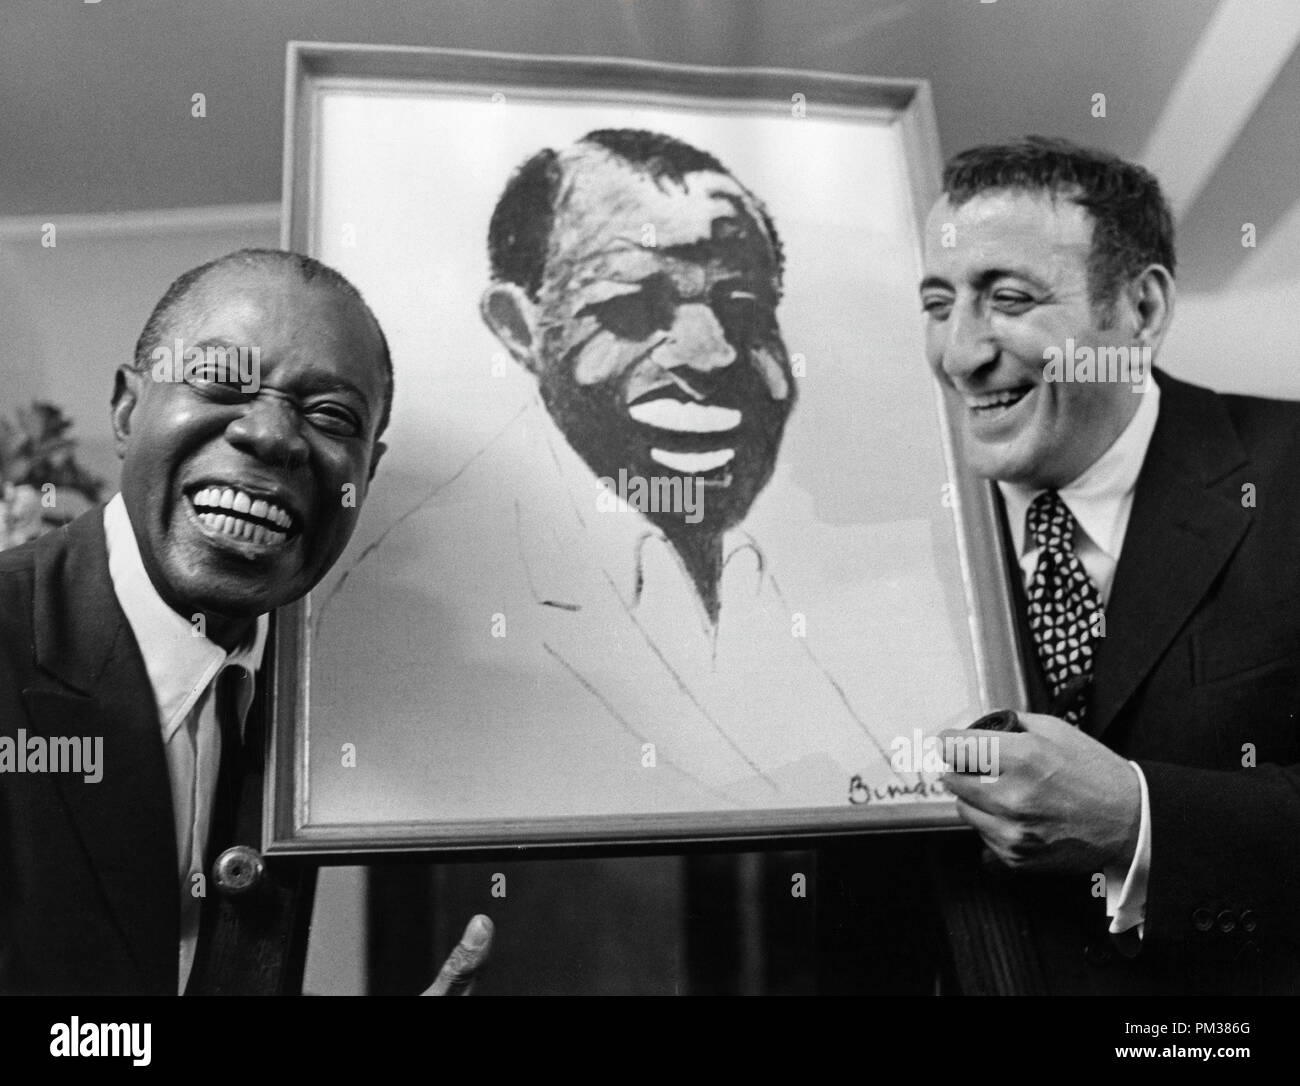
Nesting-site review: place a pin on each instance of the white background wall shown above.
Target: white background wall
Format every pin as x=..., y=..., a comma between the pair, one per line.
x=70, y=314
x=1242, y=337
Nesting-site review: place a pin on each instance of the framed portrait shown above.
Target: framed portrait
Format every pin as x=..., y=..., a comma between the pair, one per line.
x=670, y=542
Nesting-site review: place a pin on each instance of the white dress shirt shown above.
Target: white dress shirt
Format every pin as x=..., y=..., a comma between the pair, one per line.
x=183, y=666
x=1101, y=499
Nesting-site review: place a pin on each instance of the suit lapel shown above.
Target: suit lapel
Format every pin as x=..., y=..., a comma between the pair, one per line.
x=94, y=683
x=1187, y=520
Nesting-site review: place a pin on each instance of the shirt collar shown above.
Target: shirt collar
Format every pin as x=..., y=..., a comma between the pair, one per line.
x=180, y=663
x=627, y=534
x=1096, y=498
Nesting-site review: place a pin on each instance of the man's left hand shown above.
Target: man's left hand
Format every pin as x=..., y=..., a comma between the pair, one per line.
x=1061, y=801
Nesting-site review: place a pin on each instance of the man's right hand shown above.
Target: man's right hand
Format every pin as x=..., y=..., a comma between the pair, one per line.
x=459, y=971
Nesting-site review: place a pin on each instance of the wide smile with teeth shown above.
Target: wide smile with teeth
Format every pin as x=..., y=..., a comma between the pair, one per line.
x=230, y=512
x=693, y=463
x=667, y=413
x=992, y=402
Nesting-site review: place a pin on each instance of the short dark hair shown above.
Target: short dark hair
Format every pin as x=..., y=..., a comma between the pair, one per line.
x=520, y=230
x=1132, y=225
x=308, y=270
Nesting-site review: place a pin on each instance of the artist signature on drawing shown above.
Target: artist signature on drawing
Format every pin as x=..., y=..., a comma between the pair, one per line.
x=860, y=792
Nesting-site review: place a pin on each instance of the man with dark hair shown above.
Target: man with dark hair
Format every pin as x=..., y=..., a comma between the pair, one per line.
x=1132, y=226
x=133, y=636
x=638, y=281
x=1151, y=526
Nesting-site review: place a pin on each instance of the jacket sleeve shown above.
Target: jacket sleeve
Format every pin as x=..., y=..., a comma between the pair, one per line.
x=1225, y=853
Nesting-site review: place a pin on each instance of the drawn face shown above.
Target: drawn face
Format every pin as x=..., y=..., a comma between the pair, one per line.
x=239, y=500
x=1011, y=287
x=660, y=351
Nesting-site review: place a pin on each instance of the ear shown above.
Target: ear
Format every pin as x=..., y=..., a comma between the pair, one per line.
x=1152, y=295
x=376, y=455
x=512, y=316
x=127, y=388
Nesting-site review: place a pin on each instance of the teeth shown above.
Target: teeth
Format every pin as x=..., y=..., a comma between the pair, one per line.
x=242, y=530
x=692, y=463
x=670, y=414
x=212, y=498
x=997, y=399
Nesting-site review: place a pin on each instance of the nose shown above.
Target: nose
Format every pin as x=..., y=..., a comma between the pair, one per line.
x=697, y=340
x=270, y=431
x=965, y=341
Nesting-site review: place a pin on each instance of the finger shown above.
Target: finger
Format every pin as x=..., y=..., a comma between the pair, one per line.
x=1004, y=838
x=971, y=740
x=993, y=855
x=970, y=789
x=456, y=978
x=1042, y=724
x=989, y=792
x=989, y=826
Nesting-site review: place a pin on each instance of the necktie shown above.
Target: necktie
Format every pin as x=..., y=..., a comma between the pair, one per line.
x=238, y=754
x=225, y=807
x=1063, y=601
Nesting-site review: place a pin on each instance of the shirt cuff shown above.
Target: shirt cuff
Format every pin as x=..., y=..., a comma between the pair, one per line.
x=1126, y=894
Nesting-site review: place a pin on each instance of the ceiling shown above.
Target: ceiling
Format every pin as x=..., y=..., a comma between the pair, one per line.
x=96, y=95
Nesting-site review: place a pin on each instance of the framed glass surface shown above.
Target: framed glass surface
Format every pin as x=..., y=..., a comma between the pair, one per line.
x=670, y=542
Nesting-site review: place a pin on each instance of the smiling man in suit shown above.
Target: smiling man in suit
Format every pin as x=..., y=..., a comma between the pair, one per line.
x=141, y=626
x=1148, y=811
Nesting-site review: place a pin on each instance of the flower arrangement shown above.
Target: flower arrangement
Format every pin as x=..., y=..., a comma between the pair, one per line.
x=41, y=484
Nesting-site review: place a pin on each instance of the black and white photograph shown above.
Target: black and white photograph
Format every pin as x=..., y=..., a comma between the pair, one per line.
x=649, y=498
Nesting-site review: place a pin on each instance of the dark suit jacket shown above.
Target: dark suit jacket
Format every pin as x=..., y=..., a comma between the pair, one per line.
x=88, y=871
x=1198, y=680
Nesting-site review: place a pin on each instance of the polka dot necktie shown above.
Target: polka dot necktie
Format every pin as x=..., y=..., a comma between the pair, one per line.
x=1063, y=601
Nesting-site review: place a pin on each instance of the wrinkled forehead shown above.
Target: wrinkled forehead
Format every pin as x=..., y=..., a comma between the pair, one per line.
x=1002, y=228
x=293, y=323
x=271, y=301
x=608, y=206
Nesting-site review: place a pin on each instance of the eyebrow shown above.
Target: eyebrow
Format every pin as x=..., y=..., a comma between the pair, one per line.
x=334, y=384
x=984, y=278
x=314, y=383
x=219, y=341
